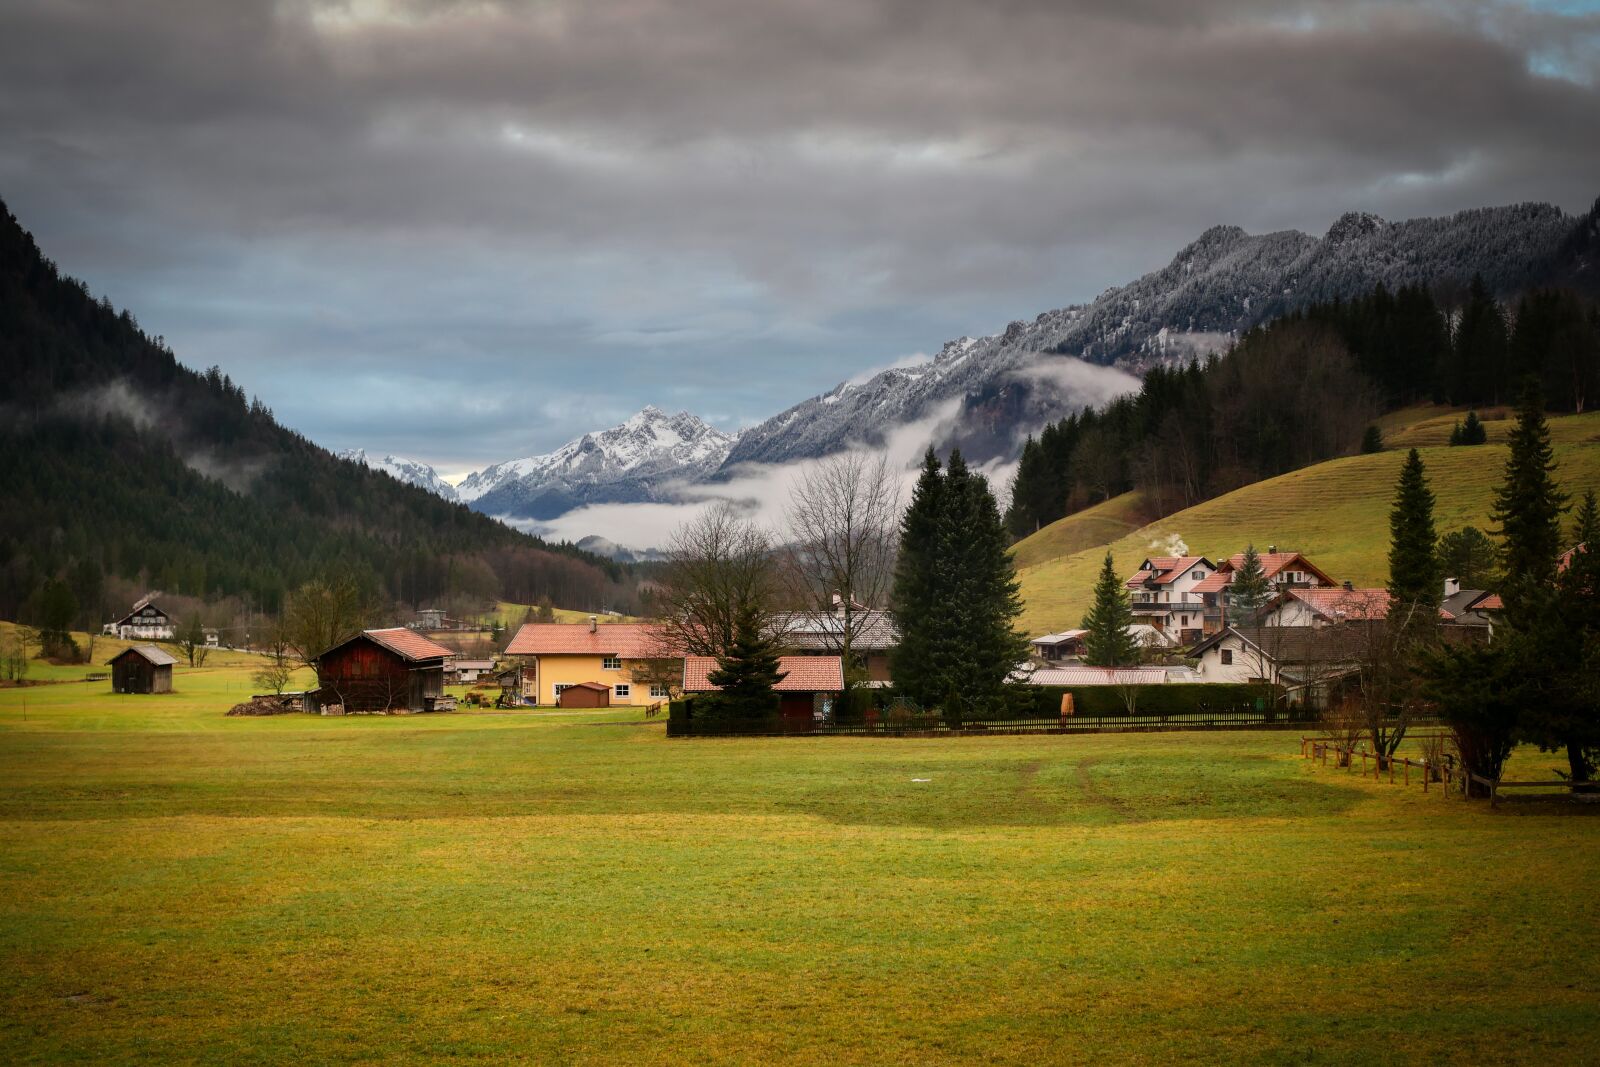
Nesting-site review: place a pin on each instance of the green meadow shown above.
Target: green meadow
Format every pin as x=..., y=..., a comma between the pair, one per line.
x=558, y=887
x=1337, y=512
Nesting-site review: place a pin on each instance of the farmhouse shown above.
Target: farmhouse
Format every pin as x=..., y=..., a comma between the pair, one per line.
x=1284, y=570
x=146, y=622
x=468, y=671
x=805, y=693
x=141, y=669
x=383, y=670
x=1163, y=595
x=629, y=659
x=1312, y=661
x=873, y=637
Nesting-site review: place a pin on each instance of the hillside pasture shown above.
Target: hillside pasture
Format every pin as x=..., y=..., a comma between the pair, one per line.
x=1337, y=513
x=573, y=887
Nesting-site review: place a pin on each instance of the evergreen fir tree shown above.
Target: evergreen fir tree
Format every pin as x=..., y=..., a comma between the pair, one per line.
x=1586, y=523
x=919, y=601
x=1528, y=508
x=1250, y=590
x=984, y=644
x=746, y=674
x=1414, y=579
x=1470, y=557
x=1455, y=435
x=1372, y=440
x=1472, y=431
x=1481, y=348
x=1108, y=643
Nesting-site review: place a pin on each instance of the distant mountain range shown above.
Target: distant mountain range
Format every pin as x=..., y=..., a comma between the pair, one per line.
x=638, y=461
x=985, y=394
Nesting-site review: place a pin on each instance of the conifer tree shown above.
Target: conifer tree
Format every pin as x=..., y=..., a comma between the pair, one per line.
x=1528, y=507
x=1472, y=431
x=1481, y=348
x=1108, y=643
x=1586, y=523
x=1470, y=557
x=1414, y=579
x=956, y=595
x=1372, y=440
x=917, y=602
x=1250, y=590
x=1455, y=435
x=746, y=673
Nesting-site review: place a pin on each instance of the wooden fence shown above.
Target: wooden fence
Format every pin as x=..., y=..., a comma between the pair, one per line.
x=1448, y=773
x=931, y=725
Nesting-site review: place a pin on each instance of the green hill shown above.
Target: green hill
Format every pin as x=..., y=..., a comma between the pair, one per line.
x=1336, y=512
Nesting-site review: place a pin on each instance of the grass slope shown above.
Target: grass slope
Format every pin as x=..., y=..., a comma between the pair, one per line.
x=547, y=887
x=1336, y=512
x=1097, y=525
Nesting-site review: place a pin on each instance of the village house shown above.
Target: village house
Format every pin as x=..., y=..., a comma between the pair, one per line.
x=629, y=659
x=1162, y=594
x=141, y=669
x=1324, y=606
x=1312, y=664
x=468, y=671
x=1283, y=570
x=396, y=669
x=146, y=622
x=806, y=692
x=874, y=636
x=1471, y=607
x=1052, y=648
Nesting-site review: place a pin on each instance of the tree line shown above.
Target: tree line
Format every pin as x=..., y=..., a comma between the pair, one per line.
x=1305, y=388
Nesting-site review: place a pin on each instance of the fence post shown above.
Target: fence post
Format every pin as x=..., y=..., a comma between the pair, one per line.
x=1408, y=772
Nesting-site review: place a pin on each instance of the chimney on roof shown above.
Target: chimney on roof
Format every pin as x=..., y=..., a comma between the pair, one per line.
x=1349, y=586
x=1272, y=550
x=1452, y=586
x=594, y=624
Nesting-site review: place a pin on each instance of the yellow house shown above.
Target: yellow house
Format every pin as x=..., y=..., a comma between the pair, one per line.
x=626, y=658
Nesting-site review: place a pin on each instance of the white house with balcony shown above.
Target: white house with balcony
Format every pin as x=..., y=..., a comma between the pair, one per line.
x=146, y=622
x=1162, y=594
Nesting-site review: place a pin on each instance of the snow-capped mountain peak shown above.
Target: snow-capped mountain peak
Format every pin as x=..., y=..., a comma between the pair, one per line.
x=629, y=462
x=409, y=471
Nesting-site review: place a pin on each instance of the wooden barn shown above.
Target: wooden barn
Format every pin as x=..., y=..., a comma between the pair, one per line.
x=141, y=669
x=383, y=670
x=584, y=695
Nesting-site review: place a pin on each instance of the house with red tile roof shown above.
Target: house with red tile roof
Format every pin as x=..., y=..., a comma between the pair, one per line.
x=632, y=660
x=389, y=670
x=1325, y=606
x=1163, y=595
x=805, y=692
x=1284, y=570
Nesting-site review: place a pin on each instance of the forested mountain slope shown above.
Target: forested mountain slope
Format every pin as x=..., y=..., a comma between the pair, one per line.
x=1336, y=512
x=115, y=459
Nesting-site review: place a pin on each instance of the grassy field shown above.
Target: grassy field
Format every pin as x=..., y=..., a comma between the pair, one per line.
x=1335, y=512
x=570, y=887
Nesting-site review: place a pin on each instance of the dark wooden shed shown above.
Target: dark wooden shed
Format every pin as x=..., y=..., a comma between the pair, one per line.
x=585, y=695
x=383, y=670
x=141, y=669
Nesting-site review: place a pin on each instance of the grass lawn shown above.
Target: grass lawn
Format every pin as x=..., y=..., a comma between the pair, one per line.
x=1337, y=512
x=572, y=887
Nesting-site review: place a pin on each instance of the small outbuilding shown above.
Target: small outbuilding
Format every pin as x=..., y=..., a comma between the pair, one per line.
x=141, y=669
x=584, y=695
x=806, y=690
x=383, y=670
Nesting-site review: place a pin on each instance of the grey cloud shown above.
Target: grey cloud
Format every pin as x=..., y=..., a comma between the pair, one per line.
x=738, y=203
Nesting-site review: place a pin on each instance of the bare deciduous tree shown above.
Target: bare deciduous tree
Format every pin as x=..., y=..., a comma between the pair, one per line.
x=719, y=567
x=319, y=615
x=843, y=519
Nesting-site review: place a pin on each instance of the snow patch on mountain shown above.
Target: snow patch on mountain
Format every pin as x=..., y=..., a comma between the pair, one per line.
x=409, y=471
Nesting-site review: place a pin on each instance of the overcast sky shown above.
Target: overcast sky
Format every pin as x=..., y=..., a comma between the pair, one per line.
x=464, y=232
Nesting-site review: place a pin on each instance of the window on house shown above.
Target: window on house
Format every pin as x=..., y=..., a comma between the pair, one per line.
x=560, y=688
x=1186, y=620
x=611, y=663
x=659, y=691
x=1197, y=575
x=1227, y=657
x=621, y=690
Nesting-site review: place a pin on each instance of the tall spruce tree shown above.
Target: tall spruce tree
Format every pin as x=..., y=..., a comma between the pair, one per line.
x=1472, y=431
x=1481, y=350
x=919, y=601
x=1415, y=582
x=1527, y=509
x=1107, y=642
x=956, y=595
x=1249, y=591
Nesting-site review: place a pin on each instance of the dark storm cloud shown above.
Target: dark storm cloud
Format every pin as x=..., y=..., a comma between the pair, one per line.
x=558, y=212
